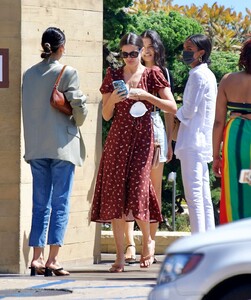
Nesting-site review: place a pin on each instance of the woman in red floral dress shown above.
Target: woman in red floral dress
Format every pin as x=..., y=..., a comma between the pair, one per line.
x=123, y=189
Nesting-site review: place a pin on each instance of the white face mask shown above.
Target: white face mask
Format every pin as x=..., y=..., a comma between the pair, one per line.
x=138, y=109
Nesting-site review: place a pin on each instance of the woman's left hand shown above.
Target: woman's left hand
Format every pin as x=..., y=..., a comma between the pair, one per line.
x=137, y=94
x=216, y=166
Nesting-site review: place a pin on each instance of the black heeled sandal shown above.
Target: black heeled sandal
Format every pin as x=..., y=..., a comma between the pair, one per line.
x=48, y=272
x=57, y=272
x=37, y=271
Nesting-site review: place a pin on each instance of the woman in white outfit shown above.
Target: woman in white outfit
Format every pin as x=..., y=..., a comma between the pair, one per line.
x=194, y=141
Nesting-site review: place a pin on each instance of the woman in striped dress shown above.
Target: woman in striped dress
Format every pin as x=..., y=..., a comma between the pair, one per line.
x=234, y=98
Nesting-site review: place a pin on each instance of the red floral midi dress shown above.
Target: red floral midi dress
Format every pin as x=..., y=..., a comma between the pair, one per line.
x=123, y=185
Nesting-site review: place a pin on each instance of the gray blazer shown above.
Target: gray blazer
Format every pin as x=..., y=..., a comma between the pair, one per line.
x=49, y=133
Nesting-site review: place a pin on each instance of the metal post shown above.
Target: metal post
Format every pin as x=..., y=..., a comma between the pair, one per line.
x=172, y=178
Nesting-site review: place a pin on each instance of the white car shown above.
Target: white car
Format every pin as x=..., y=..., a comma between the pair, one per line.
x=215, y=265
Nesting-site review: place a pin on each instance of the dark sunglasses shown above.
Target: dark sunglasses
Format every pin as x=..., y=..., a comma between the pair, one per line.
x=132, y=54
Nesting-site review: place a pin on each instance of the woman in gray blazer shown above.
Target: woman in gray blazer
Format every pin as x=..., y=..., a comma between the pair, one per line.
x=53, y=146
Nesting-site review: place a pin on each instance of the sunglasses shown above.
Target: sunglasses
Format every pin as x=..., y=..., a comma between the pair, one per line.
x=132, y=54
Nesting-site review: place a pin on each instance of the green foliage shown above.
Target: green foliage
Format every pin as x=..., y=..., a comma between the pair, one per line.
x=227, y=28
x=106, y=127
x=172, y=28
x=223, y=62
x=182, y=223
x=180, y=73
x=116, y=20
x=172, y=166
x=215, y=194
x=117, y=5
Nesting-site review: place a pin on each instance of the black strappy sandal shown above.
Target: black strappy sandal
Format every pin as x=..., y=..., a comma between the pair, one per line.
x=37, y=270
x=57, y=272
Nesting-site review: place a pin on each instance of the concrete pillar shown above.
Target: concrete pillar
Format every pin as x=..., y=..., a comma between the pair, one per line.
x=21, y=26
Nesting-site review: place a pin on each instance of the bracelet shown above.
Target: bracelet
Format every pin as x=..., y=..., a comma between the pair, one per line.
x=138, y=94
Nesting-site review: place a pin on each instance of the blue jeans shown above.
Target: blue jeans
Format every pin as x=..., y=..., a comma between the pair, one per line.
x=52, y=185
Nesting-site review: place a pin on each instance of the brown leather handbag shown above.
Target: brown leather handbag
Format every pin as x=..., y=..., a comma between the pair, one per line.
x=58, y=99
x=176, y=126
x=156, y=155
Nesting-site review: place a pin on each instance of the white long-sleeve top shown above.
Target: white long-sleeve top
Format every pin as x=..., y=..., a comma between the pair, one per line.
x=197, y=113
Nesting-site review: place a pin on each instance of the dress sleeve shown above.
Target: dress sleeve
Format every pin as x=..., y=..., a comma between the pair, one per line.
x=157, y=80
x=107, y=86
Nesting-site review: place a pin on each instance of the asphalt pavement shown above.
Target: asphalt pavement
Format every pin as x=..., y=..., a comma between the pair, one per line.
x=86, y=282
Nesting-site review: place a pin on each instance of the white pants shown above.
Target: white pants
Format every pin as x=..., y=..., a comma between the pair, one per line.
x=195, y=177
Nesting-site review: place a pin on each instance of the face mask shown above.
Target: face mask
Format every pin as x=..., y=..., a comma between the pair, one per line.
x=188, y=57
x=138, y=109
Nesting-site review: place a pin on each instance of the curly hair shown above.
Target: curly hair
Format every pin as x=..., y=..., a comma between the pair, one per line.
x=245, y=56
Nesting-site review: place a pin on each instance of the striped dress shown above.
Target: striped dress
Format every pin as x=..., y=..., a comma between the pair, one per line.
x=235, y=201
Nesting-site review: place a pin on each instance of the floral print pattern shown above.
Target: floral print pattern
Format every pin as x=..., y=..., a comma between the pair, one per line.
x=123, y=185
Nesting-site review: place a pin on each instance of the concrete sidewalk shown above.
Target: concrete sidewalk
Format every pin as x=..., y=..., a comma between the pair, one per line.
x=86, y=282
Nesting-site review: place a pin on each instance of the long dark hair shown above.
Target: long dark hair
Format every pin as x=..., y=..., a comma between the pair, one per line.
x=159, y=49
x=52, y=39
x=245, y=56
x=131, y=39
x=159, y=54
x=203, y=43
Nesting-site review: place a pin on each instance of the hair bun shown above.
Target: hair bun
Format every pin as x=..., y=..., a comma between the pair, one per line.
x=48, y=46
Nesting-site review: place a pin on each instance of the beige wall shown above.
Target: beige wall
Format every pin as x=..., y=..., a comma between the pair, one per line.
x=22, y=23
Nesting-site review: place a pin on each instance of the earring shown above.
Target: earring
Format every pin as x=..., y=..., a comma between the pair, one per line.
x=200, y=59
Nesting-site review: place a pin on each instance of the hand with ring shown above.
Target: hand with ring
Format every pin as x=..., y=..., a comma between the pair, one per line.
x=136, y=94
x=118, y=96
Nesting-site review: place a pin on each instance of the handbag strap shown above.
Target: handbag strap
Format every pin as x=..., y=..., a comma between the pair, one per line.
x=59, y=76
x=168, y=76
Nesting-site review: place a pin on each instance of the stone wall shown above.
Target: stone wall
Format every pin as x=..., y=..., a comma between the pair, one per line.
x=21, y=26
x=163, y=239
